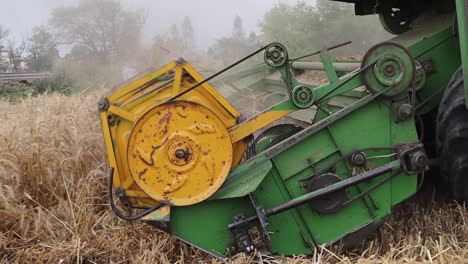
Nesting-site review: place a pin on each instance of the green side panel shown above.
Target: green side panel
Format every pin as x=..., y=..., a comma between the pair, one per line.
x=204, y=225
x=403, y=186
x=289, y=234
x=371, y=126
x=462, y=12
x=433, y=43
x=241, y=186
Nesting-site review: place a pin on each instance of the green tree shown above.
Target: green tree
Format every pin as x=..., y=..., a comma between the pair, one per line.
x=15, y=53
x=229, y=49
x=238, y=31
x=109, y=32
x=4, y=32
x=304, y=27
x=296, y=26
x=42, y=50
x=188, y=33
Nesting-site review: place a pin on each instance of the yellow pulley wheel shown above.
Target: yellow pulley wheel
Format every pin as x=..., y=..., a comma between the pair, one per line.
x=179, y=153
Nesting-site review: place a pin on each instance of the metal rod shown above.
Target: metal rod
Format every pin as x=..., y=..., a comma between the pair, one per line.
x=318, y=52
x=333, y=188
x=317, y=65
x=345, y=82
x=371, y=189
x=164, y=84
x=322, y=192
x=218, y=73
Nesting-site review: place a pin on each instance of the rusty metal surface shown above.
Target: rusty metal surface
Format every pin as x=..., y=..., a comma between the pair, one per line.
x=179, y=153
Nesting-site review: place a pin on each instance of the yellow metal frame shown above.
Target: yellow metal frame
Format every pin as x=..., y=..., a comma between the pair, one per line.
x=139, y=95
x=133, y=99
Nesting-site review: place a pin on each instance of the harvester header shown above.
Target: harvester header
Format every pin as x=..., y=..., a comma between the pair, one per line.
x=323, y=165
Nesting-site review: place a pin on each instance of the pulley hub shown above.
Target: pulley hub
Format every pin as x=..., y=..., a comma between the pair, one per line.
x=303, y=96
x=179, y=153
x=276, y=55
x=394, y=66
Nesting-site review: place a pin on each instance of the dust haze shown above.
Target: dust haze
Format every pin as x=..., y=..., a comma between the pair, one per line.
x=209, y=33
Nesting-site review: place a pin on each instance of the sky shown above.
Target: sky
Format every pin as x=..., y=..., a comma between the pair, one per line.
x=211, y=19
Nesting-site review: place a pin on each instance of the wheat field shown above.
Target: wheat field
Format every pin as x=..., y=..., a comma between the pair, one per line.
x=54, y=209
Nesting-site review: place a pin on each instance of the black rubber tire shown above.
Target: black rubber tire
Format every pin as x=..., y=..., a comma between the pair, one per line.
x=452, y=138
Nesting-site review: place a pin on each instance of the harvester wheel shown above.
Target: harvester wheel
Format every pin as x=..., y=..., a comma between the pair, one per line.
x=452, y=137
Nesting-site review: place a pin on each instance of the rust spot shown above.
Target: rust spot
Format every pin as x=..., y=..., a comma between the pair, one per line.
x=165, y=121
x=207, y=117
x=148, y=163
x=151, y=162
x=160, y=145
x=205, y=153
x=142, y=173
x=181, y=115
x=223, y=162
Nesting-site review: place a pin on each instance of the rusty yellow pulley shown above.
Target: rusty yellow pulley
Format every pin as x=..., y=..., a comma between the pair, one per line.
x=176, y=152
x=179, y=153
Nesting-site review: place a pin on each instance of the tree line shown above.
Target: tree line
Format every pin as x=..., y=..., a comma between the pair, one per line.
x=100, y=38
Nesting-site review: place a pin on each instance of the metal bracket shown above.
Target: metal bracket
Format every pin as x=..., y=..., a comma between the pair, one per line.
x=413, y=158
x=263, y=219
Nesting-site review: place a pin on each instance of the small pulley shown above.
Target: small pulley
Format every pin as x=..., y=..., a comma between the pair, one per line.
x=393, y=66
x=276, y=55
x=303, y=96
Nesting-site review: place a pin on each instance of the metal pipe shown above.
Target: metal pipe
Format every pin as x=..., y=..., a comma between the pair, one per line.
x=318, y=52
x=318, y=66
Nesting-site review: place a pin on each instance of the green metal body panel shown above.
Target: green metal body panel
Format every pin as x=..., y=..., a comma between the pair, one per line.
x=305, y=227
x=462, y=20
x=278, y=179
x=205, y=225
x=345, y=121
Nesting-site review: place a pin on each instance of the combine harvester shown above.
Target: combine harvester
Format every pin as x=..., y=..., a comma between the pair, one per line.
x=224, y=183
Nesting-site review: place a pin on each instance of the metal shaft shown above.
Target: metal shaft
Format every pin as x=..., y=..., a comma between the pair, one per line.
x=318, y=66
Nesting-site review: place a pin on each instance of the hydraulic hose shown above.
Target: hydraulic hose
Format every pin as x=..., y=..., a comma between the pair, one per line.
x=114, y=207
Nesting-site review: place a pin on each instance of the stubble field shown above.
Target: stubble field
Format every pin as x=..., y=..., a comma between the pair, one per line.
x=54, y=209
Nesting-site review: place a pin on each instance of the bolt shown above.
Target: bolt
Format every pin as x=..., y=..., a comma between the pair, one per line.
x=389, y=70
x=358, y=159
x=180, y=153
x=275, y=54
x=103, y=104
x=418, y=161
x=428, y=67
x=405, y=111
x=303, y=96
x=180, y=61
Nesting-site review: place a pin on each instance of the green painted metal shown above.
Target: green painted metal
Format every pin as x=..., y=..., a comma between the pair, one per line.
x=243, y=181
x=328, y=65
x=346, y=118
x=462, y=10
x=279, y=173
